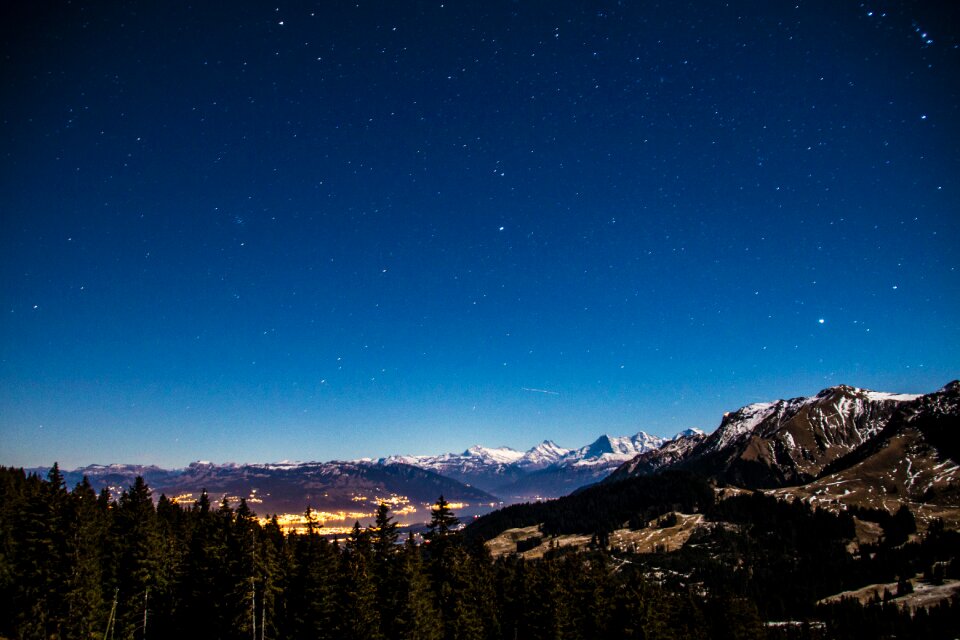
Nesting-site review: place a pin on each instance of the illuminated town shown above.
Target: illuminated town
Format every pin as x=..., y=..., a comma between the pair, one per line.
x=330, y=523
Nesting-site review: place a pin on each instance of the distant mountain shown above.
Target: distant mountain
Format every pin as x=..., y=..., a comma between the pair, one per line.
x=580, y=467
x=793, y=442
x=490, y=469
x=289, y=487
x=606, y=449
x=545, y=471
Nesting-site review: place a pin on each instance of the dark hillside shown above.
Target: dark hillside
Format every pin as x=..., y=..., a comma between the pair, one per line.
x=603, y=507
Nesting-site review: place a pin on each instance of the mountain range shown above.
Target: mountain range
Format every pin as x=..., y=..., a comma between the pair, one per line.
x=544, y=471
x=841, y=442
x=481, y=477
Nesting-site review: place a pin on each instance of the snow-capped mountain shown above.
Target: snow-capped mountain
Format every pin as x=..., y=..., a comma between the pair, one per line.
x=477, y=466
x=906, y=441
x=490, y=469
x=544, y=471
x=542, y=456
x=607, y=450
x=779, y=443
x=477, y=458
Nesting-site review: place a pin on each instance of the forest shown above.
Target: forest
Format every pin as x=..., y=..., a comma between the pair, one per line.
x=78, y=564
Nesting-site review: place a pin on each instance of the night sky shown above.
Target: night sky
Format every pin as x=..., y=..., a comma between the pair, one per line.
x=240, y=231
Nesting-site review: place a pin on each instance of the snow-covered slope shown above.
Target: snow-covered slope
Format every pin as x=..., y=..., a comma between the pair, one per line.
x=608, y=451
x=543, y=455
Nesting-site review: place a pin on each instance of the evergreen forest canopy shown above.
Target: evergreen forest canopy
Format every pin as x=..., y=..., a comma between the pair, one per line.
x=75, y=564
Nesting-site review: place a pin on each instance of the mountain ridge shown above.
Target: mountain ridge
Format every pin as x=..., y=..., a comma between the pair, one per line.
x=545, y=470
x=793, y=442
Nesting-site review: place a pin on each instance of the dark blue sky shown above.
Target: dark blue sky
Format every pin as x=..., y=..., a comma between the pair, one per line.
x=250, y=232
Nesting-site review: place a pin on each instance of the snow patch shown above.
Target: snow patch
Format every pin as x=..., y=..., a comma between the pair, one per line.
x=501, y=455
x=743, y=422
x=879, y=396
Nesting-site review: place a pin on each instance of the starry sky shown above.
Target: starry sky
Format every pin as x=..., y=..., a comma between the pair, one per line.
x=241, y=231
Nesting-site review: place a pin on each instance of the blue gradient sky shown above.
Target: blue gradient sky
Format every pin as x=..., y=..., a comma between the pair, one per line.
x=241, y=232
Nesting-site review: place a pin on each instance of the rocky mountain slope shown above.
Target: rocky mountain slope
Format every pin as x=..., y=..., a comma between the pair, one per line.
x=842, y=446
x=913, y=459
x=787, y=442
x=668, y=454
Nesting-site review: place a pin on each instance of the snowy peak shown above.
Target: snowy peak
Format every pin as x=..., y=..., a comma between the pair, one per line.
x=739, y=424
x=543, y=455
x=493, y=455
x=507, y=472
x=609, y=449
x=600, y=446
x=866, y=394
x=951, y=387
x=671, y=452
x=848, y=409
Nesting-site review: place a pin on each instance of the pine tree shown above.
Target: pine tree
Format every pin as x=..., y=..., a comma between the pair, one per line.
x=239, y=574
x=450, y=572
x=310, y=594
x=416, y=616
x=272, y=557
x=199, y=594
x=904, y=586
x=459, y=595
x=384, y=567
x=86, y=606
x=173, y=525
x=442, y=521
x=359, y=617
x=139, y=556
x=384, y=534
x=589, y=586
x=359, y=542
x=42, y=562
x=545, y=605
x=13, y=483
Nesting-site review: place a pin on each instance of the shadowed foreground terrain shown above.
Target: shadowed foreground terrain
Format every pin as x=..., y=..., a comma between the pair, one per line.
x=75, y=564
